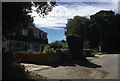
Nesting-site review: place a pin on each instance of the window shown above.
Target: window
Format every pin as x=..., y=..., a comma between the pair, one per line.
x=43, y=35
x=24, y=32
x=36, y=34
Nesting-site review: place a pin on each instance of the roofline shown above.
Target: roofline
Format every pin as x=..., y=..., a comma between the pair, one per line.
x=40, y=30
x=36, y=27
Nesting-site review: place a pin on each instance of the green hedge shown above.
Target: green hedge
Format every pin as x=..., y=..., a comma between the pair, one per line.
x=75, y=44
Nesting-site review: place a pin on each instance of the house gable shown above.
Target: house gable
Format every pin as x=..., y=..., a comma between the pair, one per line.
x=29, y=38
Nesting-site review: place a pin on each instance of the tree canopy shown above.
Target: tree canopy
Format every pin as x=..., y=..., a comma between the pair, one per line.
x=76, y=26
x=101, y=29
x=59, y=45
x=15, y=15
x=106, y=23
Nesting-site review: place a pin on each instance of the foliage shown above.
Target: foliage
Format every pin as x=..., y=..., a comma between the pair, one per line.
x=76, y=26
x=59, y=45
x=9, y=67
x=98, y=53
x=102, y=29
x=65, y=46
x=15, y=15
x=87, y=45
x=48, y=50
x=76, y=35
x=27, y=52
x=66, y=56
x=75, y=44
x=65, y=51
x=56, y=45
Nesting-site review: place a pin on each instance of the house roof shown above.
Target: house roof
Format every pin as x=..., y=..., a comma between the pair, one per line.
x=30, y=37
x=32, y=26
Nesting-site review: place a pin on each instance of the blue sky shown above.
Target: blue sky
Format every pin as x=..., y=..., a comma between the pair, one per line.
x=56, y=20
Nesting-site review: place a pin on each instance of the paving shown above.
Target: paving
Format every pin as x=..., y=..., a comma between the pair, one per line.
x=108, y=69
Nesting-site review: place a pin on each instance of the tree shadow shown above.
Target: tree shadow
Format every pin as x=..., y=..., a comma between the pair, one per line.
x=76, y=62
x=89, y=64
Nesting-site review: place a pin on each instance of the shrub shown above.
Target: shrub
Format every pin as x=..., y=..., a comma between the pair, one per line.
x=11, y=69
x=58, y=45
x=27, y=52
x=65, y=51
x=65, y=46
x=66, y=54
x=48, y=50
x=75, y=44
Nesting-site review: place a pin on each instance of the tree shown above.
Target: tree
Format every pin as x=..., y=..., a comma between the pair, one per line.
x=15, y=15
x=104, y=29
x=59, y=45
x=76, y=36
x=56, y=45
x=77, y=26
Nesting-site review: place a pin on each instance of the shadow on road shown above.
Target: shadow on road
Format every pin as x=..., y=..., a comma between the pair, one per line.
x=77, y=62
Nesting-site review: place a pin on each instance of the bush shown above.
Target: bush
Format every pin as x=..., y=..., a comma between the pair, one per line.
x=88, y=53
x=65, y=51
x=48, y=50
x=27, y=52
x=65, y=46
x=66, y=54
x=58, y=45
x=75, y=44
x=11, y=69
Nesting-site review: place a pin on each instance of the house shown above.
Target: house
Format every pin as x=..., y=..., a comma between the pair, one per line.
x=28, y=38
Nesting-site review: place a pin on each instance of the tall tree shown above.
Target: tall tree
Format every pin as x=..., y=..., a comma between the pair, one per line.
x=105, y=28
x=76, y=30
x=102, y=29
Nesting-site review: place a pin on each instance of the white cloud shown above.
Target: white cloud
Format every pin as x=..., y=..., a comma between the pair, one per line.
x=87, y=0
x=59, y=15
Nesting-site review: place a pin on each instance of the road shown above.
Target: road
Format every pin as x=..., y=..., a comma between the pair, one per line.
x=108, y=69
x=109, y=64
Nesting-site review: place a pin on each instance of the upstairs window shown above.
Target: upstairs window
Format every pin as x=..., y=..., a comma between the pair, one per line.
x=43, y=35
x=36, y=34
x=24, y=32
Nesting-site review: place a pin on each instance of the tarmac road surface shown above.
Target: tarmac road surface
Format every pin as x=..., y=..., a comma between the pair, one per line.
x=108, y=69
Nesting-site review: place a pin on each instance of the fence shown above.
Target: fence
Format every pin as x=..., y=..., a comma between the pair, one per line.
x=38, y=58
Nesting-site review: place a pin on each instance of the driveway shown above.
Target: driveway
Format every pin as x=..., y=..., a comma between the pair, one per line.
x=109, y=64
x=108, y=69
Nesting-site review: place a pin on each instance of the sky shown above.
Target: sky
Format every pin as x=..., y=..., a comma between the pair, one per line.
x=56, y=20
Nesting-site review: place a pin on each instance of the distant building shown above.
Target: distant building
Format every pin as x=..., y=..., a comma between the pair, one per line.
x=28, y=38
